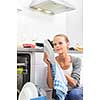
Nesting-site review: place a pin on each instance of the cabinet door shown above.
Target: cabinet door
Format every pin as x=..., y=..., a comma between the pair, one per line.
x=41, y=76
x=39, y=58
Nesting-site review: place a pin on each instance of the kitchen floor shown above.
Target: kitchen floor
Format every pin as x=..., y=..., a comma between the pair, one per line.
x=49, y=95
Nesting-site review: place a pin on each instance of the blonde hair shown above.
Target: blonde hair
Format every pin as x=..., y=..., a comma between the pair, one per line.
x=62, y=35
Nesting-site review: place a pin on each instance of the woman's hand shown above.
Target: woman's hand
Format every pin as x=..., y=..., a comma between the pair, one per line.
x=45, y=58
x=71, y=81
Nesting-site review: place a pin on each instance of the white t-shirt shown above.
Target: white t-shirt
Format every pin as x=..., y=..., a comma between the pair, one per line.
x=69, y=70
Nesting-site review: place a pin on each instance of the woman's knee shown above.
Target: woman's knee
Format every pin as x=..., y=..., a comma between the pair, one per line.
x=76, y=94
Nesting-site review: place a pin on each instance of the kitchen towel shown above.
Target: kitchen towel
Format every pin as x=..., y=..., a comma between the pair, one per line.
x=60, y=82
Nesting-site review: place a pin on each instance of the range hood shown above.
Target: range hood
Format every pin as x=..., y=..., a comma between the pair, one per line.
x=51, y=7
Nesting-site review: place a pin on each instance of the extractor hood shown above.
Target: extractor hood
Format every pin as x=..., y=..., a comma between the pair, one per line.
x=51, y=6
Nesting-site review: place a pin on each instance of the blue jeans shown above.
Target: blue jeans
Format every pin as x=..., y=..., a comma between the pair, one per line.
x=75, y=94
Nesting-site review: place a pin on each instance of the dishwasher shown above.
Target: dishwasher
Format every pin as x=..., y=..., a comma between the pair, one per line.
x=23, y=70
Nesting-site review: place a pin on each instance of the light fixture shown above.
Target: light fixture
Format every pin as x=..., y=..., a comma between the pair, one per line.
x=51, y=6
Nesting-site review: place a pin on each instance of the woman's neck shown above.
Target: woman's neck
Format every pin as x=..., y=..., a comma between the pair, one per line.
x=64, y=60
x=63, y=55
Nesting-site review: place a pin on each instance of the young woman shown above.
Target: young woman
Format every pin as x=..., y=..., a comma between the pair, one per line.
x=70, y=65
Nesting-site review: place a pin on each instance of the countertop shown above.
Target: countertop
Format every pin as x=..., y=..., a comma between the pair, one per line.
x=41, y=50
x=30, y=50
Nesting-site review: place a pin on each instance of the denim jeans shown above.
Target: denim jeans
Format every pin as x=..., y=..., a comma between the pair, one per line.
x=74, y=94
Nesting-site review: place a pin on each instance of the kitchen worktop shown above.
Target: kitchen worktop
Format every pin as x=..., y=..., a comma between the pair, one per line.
x=41, y=50
x=30, y=50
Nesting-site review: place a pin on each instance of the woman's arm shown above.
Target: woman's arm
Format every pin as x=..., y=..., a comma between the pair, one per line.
x=49, y=73
x=76, y=62
x=49, y=78
x=71, y=80
x=74, y=79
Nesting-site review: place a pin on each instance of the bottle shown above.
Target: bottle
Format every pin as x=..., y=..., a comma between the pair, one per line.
x=78, y=48
x=33, y=43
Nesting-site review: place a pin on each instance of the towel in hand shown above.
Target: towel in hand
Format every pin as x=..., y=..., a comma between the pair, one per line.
x=60, y=82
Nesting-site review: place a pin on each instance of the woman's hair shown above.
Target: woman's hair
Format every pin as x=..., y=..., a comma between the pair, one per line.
x=62, y=35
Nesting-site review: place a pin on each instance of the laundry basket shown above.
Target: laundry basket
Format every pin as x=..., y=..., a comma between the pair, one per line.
x=39, y=98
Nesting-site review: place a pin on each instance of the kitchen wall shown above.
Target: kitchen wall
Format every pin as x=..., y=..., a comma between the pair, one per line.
x=74, y=23
x=32, y=25
x=38, y=26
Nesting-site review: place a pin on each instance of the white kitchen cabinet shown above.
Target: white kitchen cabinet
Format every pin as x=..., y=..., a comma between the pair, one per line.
x=40, y=70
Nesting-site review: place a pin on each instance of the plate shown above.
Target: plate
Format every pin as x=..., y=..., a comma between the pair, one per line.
x=28, y=91
x=49, y=50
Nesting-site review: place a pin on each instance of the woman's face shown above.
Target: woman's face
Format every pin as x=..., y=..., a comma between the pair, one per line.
x=60, y=44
